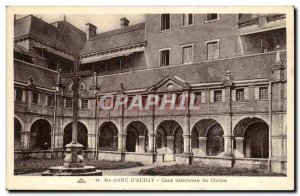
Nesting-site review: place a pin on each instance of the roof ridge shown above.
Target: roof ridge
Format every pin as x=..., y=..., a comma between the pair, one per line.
x=98, y=36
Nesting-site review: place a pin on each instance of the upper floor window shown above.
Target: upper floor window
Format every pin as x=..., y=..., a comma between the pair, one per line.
x=187, y=19
x=69, y=102
x=84, y=104
x=218, y=96
x=165, y=57
x=212, y=48
x=35, y=98
x=50, y=100
x=240, y=94
x=19, y=94
x=197, y=97
x=263, y=92
x=165, y=21
x=187, y=53
x=212, y=17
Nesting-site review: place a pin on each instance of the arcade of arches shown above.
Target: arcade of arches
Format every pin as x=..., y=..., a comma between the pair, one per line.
x=251, y=137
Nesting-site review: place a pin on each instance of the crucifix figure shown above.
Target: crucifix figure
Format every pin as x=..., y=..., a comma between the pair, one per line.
x=74, y=158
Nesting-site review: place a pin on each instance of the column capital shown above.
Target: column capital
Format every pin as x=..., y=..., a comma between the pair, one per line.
x=170, y=137
x=186, y=135
x=141, y=136
x=228, y=136
x=202, y=138
x=25, y=132
x=151, y=134
x=122, y=134
x=239, y=138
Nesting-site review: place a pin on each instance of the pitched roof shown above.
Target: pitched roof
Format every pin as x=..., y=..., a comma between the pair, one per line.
x=60, y=34
x=23, y=70
x=116, y=38
x=242, y=68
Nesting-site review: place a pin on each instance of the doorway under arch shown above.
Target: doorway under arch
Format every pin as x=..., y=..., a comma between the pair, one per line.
x=40, y=135
x=82, y=134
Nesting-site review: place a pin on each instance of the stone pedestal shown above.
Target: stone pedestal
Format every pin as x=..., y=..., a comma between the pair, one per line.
x=73, y=164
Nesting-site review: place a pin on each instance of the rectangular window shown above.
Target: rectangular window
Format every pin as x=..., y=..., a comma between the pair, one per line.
x=84, y=104
x=19, y=94
x=69, y=102
x=129, y=101
x=240, y=94
x=165, y=22
x=197, y=98
x=165, y=57
x=35, y=98
x=187, y=54
x=50, y=100
x=263, y=93
x=218, y=96
x=187, y=19
x=212, y=17
x=212, y=50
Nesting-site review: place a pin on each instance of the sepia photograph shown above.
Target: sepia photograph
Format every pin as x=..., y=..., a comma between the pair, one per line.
x=184, y=98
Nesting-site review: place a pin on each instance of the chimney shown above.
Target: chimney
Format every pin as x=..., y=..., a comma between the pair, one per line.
x=91, y=31
x=124, y=22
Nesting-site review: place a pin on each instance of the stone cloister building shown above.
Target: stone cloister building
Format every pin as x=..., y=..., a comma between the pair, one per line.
x=233, y=65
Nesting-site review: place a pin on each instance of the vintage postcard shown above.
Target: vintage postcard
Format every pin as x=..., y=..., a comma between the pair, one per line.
x=150, y=98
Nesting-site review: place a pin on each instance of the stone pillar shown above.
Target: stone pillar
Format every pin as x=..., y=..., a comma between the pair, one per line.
x=202, y=146
x=120, y=142
x=91, y=140
x=151, y=142
x=141, y=147
x=25, y=140
x=228, y=144
x=60, y=137
x=186, y=144
x=239, y=143
x=186, y=135
x=170, y=142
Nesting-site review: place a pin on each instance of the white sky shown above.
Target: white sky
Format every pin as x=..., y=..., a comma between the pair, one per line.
x=102, y=22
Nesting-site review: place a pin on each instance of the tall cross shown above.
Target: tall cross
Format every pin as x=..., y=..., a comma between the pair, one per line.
x=76, y=73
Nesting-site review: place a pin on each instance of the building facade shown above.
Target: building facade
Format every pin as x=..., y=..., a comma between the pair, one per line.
x=234, y=65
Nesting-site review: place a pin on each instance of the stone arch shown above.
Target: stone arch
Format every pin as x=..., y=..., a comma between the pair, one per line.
x=108, y=136
x=178, y=140
x=136, y=132
x=40, y=134
x=255, y=138
x=82, y=134
x=17, y=133
x=171, y=140
x=215, y=140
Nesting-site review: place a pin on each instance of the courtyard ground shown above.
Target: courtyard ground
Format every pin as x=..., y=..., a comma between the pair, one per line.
x=193, y=170
x=27, y=166
x=117, y=168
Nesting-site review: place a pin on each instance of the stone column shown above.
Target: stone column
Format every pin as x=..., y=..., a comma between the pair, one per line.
x=170, y=142
x=239, y=143
x=151, y=137
x=228, y=144
x=120, y=142
x=186, y=135
x=202, y=146
x=186, y=144
x=25, y=140
x=91, y=140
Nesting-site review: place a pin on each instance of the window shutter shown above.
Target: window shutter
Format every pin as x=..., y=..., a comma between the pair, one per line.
x=202, y=96
x=256, y=92
x=223, y=95
x=246, y=93
x=233, y=95
x=211, y=95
